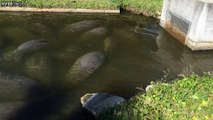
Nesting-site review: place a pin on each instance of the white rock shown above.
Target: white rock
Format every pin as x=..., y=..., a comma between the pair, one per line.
x=148, y=87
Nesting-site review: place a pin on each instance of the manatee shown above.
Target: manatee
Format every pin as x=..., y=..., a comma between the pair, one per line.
x=40, y=67
x=17, y=35
x=31, y=46
x=109, y=45
x=82, y=26
x=9, y=57
x=15, y=87
x=126, y=36
x=9, y=109
x=146, y=32
x=38, y=29
x=84, y=67
x=67, y=52
x=12, y=56
x=93, y=40
x=100, y=32
x=72, y=31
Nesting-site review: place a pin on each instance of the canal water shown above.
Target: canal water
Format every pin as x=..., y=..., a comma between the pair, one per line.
x=136, y=49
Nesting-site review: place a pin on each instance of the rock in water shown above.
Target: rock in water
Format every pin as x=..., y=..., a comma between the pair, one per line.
x=15, y=87
x=82, y=26
x=31, y=46
x=97, y=102
x=149, y=87
x=8, y=110
x=40, y=67
x=84, y=67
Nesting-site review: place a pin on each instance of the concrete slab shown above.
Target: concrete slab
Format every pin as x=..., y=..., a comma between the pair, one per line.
x=189, y=21
x=57, y=10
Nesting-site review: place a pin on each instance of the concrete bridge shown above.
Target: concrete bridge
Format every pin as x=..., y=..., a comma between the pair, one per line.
x=190, y=21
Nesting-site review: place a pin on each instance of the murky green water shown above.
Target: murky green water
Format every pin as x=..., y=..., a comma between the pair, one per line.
x=136, y=52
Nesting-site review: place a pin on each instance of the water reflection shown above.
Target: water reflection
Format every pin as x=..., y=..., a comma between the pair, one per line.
x=179, y=59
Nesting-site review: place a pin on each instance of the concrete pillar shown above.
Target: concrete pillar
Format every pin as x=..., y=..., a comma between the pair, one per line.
x=189, y=21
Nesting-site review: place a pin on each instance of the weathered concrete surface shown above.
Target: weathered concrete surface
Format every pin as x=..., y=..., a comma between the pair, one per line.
x=97, y=102
x=58, y=10
x=189, y=21
x=175, y=32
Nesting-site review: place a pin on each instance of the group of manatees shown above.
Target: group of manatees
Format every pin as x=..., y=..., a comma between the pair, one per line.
x=82, y=67
x=14, y=89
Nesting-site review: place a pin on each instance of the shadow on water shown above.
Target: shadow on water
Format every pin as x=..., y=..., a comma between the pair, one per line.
x=40, y=104
x=138, y=51
x=49, y=104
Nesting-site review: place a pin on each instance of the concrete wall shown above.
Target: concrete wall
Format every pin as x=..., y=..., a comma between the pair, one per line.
x=190, y=21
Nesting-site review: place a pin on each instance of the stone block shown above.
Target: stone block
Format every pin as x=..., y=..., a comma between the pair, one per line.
x=190, y=22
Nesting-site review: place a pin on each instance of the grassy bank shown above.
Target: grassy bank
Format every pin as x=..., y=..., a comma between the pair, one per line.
x=147, y=7
x=190, y=98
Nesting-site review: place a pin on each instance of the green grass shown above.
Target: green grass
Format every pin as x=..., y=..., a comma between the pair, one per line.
x=190, y=98
x=147, y=7
x=86, y=4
